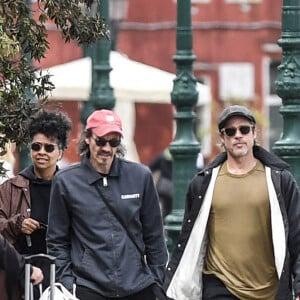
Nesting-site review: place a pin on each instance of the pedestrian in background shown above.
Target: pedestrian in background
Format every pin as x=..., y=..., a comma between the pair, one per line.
x=240, y=236
x=105, y=226
x=161, y=167
x=8, y=161
x=24, y=199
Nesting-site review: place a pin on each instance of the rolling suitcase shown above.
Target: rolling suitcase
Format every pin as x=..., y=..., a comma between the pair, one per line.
x=29, y=261
x=55, y=291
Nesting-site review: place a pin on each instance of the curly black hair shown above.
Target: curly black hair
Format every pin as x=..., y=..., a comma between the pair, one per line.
x=53, y=124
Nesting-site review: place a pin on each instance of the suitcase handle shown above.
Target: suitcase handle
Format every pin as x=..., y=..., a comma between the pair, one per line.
x=31, y=258
x=28, y=262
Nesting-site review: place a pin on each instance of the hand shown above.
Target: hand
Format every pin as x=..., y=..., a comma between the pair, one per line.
x=37, y=275
x=29, y=226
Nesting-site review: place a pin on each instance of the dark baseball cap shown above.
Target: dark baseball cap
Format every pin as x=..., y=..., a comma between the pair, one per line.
x=232, y=111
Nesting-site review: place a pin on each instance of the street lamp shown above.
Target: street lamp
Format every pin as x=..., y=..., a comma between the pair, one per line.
x=24, y=158
x=102, y=94
x=184, y=96
x=288, y=87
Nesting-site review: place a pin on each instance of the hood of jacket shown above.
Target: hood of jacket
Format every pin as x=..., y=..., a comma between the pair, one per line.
x=28, y=173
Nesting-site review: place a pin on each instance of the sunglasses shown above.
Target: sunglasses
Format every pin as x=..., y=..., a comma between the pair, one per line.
x=231, y=131
x=38, y=146
x=100, y=141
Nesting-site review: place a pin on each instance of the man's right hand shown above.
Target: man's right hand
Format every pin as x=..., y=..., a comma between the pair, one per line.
x=29, y=225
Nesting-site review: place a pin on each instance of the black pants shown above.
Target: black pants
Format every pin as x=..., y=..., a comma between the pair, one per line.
x=214, y=289
x=84, y=293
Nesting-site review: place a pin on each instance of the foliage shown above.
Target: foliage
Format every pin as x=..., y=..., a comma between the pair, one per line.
x=23, y=39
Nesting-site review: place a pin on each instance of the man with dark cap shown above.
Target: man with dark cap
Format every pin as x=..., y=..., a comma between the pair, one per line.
x=240, y=236
x=105, y=225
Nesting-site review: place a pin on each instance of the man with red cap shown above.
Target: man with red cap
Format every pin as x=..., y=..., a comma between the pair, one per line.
x=105, y=225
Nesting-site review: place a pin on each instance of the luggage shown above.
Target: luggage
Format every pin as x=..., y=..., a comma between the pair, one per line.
x=30, y=260
x=55, y=291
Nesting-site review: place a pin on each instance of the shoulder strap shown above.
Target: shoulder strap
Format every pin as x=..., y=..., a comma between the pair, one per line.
x=129, y=234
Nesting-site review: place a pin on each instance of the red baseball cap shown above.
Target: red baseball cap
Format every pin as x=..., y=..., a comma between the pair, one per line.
x=103, y=122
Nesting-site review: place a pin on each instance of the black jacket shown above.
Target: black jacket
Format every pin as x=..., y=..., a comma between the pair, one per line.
x=91, y=247
x=12, y=270
x=288, y=197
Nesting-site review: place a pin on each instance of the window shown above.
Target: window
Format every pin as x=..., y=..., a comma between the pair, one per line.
x=272, y=103
x=236, y=81
x=202, y=129
x=273, y=72
x=275, y=125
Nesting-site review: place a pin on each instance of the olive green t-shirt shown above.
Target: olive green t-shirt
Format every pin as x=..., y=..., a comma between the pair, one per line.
x=240, y=249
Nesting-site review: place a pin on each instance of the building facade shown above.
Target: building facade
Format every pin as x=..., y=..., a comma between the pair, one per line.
x=235, y=44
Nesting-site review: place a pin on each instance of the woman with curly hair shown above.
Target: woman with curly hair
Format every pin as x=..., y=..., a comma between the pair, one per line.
x=24, y=199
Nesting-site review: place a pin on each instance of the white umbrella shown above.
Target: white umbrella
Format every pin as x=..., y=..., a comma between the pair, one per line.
x=131, y=81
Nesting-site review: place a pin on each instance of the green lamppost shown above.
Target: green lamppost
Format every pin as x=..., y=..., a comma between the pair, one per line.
x=102, y=94
x=24, y=157
x=288, y=87
x=184, y=96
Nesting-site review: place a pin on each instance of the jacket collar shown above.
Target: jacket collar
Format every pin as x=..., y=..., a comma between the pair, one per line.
x=93, y=175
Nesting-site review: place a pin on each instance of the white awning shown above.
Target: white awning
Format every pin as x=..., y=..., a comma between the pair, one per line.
x=131, y=81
